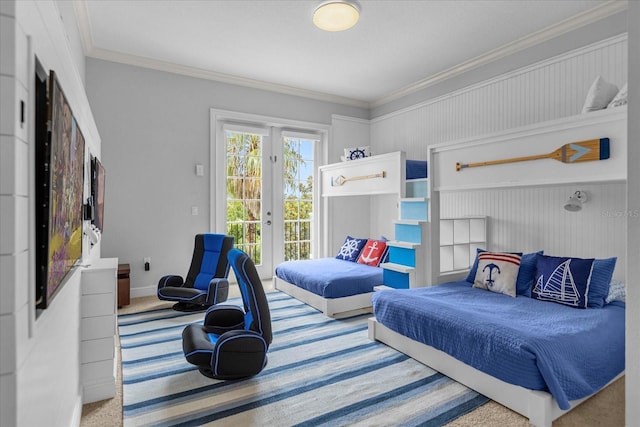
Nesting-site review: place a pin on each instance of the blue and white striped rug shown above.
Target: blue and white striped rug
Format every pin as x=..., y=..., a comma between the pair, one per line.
x=320, y=372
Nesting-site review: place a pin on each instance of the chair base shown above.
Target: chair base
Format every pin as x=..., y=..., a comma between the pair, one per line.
x=206, y=371
x=186, y=307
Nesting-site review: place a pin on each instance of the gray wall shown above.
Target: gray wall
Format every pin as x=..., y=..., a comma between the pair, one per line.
x=156, y=127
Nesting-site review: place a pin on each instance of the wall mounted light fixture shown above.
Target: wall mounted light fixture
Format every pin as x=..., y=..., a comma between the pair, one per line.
x=336, y=15
x=576, y=200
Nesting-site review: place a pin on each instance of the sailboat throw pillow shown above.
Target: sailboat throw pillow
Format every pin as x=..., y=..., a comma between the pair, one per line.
x=497, y=272
x=563, y=280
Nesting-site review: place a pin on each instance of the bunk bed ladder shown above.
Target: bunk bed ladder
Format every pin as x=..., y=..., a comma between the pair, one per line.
x=410, y=243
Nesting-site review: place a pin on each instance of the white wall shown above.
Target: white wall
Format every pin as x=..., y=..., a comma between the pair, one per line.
x=522, y=219
x=155, y=127
x=345, y=215
x=632, y=383
x=528, y=219
x=39, y=357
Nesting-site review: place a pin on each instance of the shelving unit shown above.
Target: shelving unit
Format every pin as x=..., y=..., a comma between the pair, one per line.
x=459, y=239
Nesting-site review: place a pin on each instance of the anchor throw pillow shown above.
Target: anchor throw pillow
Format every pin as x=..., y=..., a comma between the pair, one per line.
x=372, y=253
x=497, y=272
x=351, y=249
x=563, y=280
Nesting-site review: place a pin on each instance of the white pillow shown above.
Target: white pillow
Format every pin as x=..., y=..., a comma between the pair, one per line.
x=355, y=153
x=617, y=292
x=620, y=98
x=497, y=272
x=599, y=96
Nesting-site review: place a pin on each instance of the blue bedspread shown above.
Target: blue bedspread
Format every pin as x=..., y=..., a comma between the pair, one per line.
x=330, y=277
x=568, y=352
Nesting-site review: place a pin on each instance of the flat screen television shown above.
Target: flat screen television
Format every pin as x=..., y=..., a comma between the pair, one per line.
x=97, y=192
x=59, y=190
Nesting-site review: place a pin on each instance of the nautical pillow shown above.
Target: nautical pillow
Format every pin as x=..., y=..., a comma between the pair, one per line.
x=526, y=274
x=563, y=280
x=351, y=249
x=356, y=153
x=372, y=253
x=497, y=272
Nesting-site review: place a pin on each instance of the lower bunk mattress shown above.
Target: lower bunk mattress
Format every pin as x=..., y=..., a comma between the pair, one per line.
x=330, y=277
x=568, y=352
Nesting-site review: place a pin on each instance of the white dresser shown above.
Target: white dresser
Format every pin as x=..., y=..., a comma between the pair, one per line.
x=98, y=330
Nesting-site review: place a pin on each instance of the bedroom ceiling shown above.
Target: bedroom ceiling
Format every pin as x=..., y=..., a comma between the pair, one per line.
x=396, y=47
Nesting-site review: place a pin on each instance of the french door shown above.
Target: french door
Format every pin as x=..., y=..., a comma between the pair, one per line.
x=268, y=200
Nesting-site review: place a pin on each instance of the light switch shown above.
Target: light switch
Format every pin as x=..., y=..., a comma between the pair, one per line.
x=199, y=170
x=194, y=210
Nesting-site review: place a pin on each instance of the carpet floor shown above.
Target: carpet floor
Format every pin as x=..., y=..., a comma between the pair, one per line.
x=604, y=409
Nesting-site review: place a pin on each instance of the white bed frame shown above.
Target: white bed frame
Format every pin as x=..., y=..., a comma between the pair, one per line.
x=393, y=167
x=540, y=407
x=336, y=308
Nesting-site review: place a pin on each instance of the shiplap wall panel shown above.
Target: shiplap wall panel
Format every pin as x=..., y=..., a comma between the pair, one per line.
x=523, y=219
x=549, y=90
x=533, y=218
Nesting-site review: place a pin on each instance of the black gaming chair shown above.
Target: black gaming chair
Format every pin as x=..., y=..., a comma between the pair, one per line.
x=232, y=343
x=206, y=282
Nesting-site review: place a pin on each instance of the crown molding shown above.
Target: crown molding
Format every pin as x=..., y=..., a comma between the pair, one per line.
x=84, y=25
x=602, y=11
x=590, y=16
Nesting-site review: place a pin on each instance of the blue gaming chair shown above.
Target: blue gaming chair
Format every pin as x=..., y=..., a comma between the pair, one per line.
x=233, y=341
x=206, y=282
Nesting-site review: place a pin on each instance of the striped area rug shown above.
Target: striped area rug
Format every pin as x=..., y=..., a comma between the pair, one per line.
x=320, y=372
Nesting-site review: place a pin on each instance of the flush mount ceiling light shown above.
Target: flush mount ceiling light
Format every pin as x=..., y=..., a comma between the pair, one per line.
x=575, y=202
x=336, y=15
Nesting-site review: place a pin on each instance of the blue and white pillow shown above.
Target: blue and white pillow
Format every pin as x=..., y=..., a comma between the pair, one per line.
x=351, y=249
x=356, y=153
x=497, y=272
x=563, y=280
x=526, y=273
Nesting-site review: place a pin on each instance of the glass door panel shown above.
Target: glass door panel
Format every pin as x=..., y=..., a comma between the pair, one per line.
x=298, y=173
x=245, y=194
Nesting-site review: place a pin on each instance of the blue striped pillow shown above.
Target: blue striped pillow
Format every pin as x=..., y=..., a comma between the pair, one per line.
x=600, y=280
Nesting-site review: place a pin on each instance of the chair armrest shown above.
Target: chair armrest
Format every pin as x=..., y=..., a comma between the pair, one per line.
x=218, y=291
x=223, y=318
x=171, y=280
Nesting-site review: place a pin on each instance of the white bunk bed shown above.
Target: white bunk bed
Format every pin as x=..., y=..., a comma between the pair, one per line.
x=538, y=406
x=375, y=175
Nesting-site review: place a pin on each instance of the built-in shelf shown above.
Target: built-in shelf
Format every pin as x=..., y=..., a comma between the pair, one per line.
x=459, y=239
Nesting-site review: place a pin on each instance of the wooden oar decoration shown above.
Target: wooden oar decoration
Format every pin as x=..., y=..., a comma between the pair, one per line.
x=573, y=152
x=340, y=180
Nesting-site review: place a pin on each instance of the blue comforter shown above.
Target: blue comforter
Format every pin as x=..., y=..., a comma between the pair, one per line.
x=568, y=352
x=330, y=277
